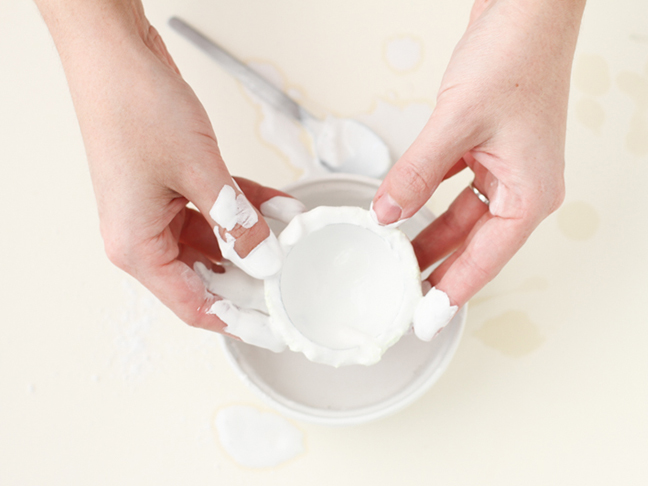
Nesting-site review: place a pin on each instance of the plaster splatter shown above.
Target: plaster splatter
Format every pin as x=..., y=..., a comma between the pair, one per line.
x=257, y=439
x=404, y=53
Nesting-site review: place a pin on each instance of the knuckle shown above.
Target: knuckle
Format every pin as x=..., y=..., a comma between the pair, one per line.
x=118, y=250
x=558, y=196
x=413, y=179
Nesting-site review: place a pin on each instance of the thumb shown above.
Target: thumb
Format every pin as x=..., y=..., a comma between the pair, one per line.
x=410, y=183
x=243, y=235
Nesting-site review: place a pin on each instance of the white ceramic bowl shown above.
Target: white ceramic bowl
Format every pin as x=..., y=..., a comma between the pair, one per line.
x=354, y=394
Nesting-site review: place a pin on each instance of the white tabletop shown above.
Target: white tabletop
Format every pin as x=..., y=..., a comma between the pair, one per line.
x=100, y=384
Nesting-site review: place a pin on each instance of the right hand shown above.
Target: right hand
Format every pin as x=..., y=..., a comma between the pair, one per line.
x=501, y=111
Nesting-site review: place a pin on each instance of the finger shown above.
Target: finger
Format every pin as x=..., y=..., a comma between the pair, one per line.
x=447, y=232
x=490, y=245
x=181, y=290
x=249, y=325
x=243, y=235
x=455, y=169
x=410, y=183
x=233, y=284
x=271, y=202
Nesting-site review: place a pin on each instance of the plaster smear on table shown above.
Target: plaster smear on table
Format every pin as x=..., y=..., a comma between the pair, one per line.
x=257, y=439
x=397, y=126
x=512, y=333
x=280, y=130
x=404, y=53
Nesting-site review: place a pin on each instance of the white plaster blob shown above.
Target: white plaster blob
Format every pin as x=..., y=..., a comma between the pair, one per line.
x=349, y=146
x=432, y=314
x=350, y=293
x=263, y=261
x=231, y=209
x=257, y=439
x=282, y=208
x=348, y=287
x=404, y=53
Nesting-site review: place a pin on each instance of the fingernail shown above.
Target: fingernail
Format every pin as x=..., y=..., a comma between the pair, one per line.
x=385, y=210
x=282, y=208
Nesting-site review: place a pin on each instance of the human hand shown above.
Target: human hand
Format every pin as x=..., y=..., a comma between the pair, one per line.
x=501, y=111
x=151, y=149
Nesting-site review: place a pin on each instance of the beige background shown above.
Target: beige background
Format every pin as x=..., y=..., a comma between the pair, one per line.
x=99, y=384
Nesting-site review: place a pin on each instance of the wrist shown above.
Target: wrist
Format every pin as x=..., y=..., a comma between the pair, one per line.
x=94, y=27
x=562, y=12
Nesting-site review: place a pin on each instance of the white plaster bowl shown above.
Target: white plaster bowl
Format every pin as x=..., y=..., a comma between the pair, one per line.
x=353, y=394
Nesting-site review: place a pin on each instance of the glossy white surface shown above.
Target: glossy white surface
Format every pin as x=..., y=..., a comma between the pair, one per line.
x=331, y=301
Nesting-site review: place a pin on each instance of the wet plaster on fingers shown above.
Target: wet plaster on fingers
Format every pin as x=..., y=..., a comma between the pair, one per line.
x=282, y=208
x=242, y=307
x=231, y=211
x=251, y=326
x=234, y=285
x=432, y=314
